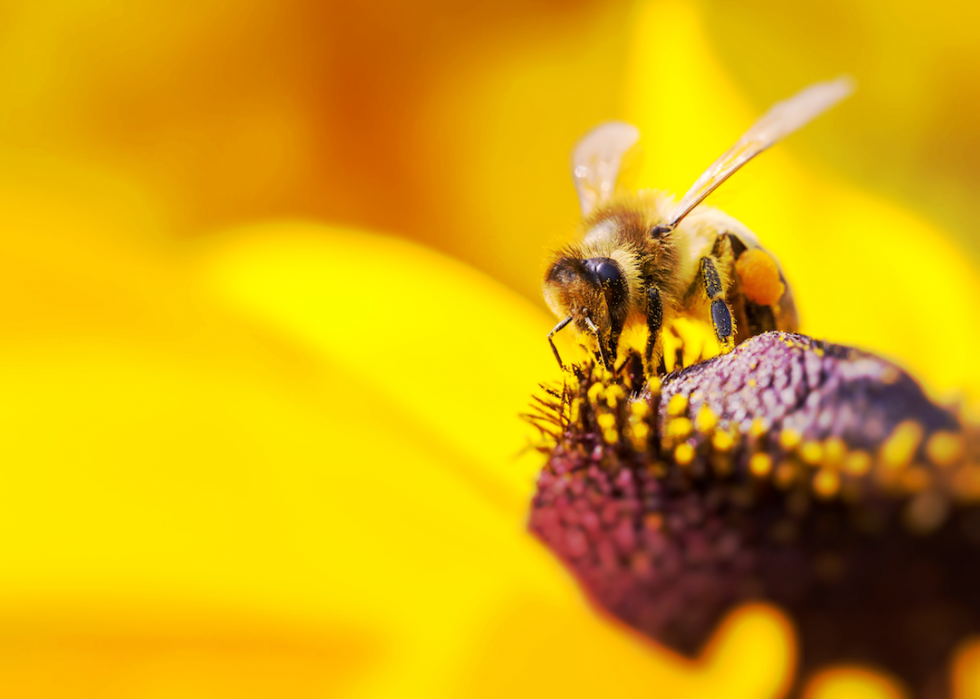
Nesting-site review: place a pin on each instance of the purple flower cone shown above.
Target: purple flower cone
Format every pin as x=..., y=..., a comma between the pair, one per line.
x=812, y=476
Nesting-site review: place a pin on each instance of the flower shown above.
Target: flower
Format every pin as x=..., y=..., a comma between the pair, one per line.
x=277, y=459
x=810, y=475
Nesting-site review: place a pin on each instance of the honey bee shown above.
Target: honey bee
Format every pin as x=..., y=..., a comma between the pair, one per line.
x=644, y=258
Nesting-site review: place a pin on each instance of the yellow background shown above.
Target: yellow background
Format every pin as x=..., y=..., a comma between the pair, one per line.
x=269, y=304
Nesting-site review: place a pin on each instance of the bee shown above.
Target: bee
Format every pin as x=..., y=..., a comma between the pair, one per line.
x=644, y=258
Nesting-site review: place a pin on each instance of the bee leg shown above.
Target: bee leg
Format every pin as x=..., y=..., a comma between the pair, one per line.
x=678, y=350
x=615, y=332
x=551, y=342
x=655, y=319
x=721, y=316
x=598, y=337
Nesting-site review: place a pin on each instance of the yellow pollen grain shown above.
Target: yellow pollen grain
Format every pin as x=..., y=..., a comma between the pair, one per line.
x=684, y=454
x=900, y=447
x=760, y=464
x=640, y=432
x=595, y=391
x=677, y=405
x=857, y=463
x=723, y=441
x=654, y=385
x=611, y=436
x=818, y=351
x=945, y=448
x=834, y=451
x=758, y=427
x=640, y=410
x=679, y=428
x=606, y=421
x=573, y=413
x=613, y=395
x=826, y=483
x=752, y=383
x=811, y=452
x=789, y=439
x=706, y=420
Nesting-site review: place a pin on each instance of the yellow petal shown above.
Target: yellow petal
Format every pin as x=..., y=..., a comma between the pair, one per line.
x=853, y=683
x=458, y=351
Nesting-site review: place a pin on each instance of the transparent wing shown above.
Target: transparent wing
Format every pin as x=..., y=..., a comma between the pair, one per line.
x=596, y=162
x=783, y=119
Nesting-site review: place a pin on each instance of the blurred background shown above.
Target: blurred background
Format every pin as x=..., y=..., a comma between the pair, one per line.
x=270, y=301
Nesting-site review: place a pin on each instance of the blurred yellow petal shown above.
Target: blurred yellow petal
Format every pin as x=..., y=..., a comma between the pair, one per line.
x=752, y=654
x=454, y=348
x=966, y=670
x=853, y=683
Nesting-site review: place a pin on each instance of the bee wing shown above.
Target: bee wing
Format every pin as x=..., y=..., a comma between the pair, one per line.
x=596, y=161
x=780, y=121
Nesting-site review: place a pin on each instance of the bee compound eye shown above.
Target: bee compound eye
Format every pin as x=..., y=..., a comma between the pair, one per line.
x=605, y=272
x=565, y=271
x=609, y=275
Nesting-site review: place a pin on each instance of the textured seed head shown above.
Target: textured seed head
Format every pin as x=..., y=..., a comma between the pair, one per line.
x=805, y=474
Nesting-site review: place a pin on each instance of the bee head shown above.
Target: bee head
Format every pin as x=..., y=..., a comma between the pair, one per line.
x=593, y=292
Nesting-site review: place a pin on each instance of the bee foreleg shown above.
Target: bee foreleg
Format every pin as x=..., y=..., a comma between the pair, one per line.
x=598, y=338
x=721, y=316
x=655, y=319
x=551, y=342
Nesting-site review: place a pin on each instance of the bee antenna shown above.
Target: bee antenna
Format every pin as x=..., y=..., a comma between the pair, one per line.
x=552, y=342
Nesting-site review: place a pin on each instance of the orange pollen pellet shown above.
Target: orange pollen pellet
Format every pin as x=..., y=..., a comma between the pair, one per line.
x=760, y=277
